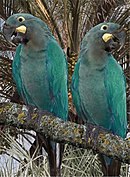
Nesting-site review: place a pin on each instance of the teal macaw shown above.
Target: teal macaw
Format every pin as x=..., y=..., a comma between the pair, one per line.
x=98, y=85
x=39, y=69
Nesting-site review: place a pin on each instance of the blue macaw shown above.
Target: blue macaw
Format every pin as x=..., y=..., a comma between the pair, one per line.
x=39, y=69
x=98, y=85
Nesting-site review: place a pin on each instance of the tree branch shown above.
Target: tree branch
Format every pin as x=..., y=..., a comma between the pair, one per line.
x=89, y=136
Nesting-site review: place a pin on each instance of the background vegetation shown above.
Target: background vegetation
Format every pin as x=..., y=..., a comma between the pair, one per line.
x=69, y=20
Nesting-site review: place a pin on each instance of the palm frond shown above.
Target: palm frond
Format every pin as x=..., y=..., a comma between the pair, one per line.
x=69, y=21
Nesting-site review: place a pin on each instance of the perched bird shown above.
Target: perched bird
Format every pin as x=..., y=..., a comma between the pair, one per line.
x=98, y=85
x=40, y=72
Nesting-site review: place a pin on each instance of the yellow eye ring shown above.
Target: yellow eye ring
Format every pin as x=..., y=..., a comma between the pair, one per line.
x=21, y=19
x=104, y=27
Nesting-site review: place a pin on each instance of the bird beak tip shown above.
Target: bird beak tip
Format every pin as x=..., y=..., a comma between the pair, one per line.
x=21, y=29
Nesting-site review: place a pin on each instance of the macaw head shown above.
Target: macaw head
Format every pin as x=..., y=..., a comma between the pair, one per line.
x=105, y=36
x=22, y=28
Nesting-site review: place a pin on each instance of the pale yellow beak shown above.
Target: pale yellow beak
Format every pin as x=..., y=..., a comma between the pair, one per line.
x=21, y=29
x=107, y=36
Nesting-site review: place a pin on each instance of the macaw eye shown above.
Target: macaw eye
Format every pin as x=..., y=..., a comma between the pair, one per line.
x=21, y=19
x=104, y=27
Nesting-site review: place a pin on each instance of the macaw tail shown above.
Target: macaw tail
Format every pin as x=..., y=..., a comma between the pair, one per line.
x=110, y=167
x=54, y=150
x=55, y=154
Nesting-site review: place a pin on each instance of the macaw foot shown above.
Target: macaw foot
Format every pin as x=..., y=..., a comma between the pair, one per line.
x=92, y=134
x=40, y=114
x=32, y=114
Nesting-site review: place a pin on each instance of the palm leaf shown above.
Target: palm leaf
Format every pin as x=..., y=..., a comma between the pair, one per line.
x=69, y=20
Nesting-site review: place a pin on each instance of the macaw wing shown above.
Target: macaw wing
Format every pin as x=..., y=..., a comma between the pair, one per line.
x=16, y=66
x=57, y=76
x=116, y=92
x=75, y=89
x=16, y=71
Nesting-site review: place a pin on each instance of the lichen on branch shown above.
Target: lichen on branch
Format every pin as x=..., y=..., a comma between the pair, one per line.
x=85, y=136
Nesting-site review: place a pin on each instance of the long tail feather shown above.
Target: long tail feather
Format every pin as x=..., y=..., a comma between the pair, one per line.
x=110, y=169
x=55, y=154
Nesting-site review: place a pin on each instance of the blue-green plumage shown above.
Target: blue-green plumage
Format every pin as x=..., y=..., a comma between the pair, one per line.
x=39, y=70
x=100, y=96
x=98, y=84
x=42, y=78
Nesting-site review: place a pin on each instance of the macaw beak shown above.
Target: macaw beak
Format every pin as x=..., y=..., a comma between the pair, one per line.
x=114, y=40
x=8, y=31
x=107, y=36
x=21, y=29
x=13, y=33
x=120, y=35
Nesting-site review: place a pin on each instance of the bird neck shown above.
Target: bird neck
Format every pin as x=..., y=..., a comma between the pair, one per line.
x=38, y=44
x=30, y=51
x=38, y=39
x=35, y=45
x=97, y=56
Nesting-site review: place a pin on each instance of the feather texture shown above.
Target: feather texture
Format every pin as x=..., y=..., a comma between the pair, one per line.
x=98, y=88
x=40, y=73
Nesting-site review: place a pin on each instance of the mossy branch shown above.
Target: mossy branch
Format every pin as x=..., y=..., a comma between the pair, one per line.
x=89, y=136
